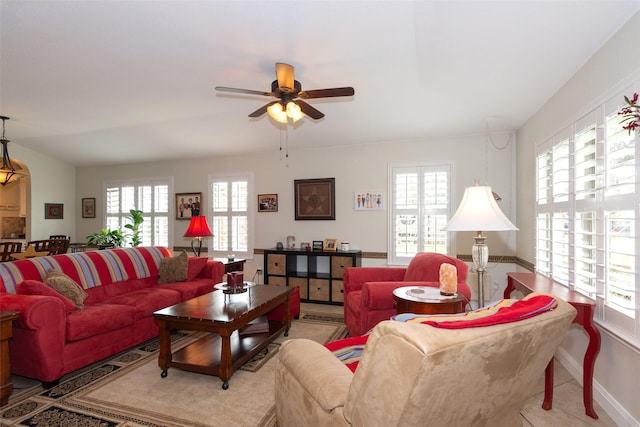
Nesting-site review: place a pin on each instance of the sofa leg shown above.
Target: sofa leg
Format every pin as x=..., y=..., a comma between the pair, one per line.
x=50, y=384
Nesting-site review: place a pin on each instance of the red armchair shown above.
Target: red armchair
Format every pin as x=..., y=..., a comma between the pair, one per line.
x=368, y=291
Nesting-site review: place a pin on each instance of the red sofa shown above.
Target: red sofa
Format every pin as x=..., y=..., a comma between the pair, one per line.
x=53, y=337
x=368, y=291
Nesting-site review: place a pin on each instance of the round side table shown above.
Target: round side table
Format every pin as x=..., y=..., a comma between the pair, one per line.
x=427, y=300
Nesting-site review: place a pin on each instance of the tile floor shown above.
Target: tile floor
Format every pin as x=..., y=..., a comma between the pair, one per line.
x=568, y=409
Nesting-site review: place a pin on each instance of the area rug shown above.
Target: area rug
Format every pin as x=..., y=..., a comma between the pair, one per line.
x=127, y=390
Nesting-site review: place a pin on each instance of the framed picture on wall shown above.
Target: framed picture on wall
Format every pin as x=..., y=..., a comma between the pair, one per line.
x=315, y=199
x=368, y=201
x=188, y=205
x=267, y=203
x=53, y=211
x=89, y=207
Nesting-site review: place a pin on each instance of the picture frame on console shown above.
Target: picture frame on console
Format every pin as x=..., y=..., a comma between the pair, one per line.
x=188, y=205
x=315, y=199
x=330, y=245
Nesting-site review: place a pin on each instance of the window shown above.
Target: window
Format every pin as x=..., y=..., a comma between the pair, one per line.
x=587, y=215
x=419, y=210
x=232, y=221
x=149, y=196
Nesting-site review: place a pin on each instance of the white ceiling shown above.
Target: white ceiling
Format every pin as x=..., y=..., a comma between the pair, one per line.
x=109, y=82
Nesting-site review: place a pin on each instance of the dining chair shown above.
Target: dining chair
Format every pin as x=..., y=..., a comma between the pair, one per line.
x=8, y=248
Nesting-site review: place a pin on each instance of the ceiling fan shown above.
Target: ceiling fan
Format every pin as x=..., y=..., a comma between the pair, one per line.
x=290, y=96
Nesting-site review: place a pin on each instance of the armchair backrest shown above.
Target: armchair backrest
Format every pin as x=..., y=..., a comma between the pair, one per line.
x=481, y=376
x=425, y=267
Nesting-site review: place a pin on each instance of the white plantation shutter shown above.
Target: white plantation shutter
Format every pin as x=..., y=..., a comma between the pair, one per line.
x=231, y=220
x=420, y=203
x=588, y=213
x=149, y=196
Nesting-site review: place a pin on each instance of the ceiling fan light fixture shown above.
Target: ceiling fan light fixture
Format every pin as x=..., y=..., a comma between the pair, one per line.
x=294, y=111
x=277, y=113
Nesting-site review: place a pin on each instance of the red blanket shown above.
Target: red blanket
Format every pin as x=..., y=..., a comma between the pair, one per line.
x=504, y=311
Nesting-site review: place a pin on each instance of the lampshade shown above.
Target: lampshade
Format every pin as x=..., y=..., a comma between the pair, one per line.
x=478, y=210
x=198, y=227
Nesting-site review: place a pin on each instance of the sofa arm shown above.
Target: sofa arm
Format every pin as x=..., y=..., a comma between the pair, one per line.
x=213, y=270
x=379, y=295
x=36, y=311
x=355, y=277
x=308, y=371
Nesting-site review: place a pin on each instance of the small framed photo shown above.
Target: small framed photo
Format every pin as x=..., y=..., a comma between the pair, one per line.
x=368, y=201
x=330, y=244
x=267, y=203
x=315, y=199
x=89, y=207
x=317, y=245
x=53, y=211
x=188, y=205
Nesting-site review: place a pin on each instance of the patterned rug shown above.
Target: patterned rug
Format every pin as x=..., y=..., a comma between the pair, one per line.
x=127, y=390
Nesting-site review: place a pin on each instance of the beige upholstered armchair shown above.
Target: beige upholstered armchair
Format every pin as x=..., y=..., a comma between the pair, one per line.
x=418, y=375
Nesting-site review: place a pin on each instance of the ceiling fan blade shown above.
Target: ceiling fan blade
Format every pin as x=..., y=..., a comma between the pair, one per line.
x=309, y=110
x=327, y=93
x=284, y=74
x=260, y=111
x=246, y=91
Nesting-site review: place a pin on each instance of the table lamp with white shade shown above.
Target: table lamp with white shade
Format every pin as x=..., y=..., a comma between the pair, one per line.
x=478, y=211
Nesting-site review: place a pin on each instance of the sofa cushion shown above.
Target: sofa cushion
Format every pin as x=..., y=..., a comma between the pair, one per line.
x=146, y=301
x=174, y=269
x=67, y=287
x=196, y=264
x=35, y=287
x=98, y=319
x=191, y=288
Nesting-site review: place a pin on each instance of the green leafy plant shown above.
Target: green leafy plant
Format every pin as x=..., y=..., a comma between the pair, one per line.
x=136, y=218
x=106, y=239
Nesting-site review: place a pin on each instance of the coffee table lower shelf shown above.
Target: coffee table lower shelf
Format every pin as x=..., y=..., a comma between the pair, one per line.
x=205, y=356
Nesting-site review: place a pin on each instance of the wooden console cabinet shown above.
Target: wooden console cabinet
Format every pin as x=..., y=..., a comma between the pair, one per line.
x=317, y=273
x=6, y=332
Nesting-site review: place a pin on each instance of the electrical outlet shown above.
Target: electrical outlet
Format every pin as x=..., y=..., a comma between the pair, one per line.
x=259, y=270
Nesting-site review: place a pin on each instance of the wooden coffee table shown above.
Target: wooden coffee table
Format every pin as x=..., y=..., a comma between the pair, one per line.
x=428, y=302
x=223, y=351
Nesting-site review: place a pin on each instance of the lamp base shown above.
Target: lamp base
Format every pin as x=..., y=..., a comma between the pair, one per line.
x=196, y=250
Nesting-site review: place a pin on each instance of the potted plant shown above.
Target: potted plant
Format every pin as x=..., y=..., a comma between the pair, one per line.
x=136, y=218
x=106, y=239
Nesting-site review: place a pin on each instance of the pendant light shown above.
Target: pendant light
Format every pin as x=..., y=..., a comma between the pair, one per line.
x=9, y=172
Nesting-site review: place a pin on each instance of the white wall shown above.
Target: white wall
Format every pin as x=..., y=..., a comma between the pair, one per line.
x=52, y=181
x=615, y=64
x=355, y=168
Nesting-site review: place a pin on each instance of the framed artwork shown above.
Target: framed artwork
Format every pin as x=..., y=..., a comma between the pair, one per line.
x=267, y=203
x=317, y=245
x=315, y=199
x=53, y=210
x=188, y=205
x=330, y=244
x=368, y=201
x=89, y=207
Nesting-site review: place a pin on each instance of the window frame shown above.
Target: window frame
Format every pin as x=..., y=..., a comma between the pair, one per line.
x=230, y=214
x=592, y=205
x=421, y=169
x=148, y=216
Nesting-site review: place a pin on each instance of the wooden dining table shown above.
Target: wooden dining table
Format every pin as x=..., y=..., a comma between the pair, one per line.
x=29, y=253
